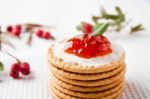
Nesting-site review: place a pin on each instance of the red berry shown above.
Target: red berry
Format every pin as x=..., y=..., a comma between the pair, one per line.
x=25, y=68
x=14, y=72
x=46, y=35
x=15, y=67
x=17, y=30
x=39, y=33
x=10, y=28
x=16, y=33
x=87, y=28
x=18, y=27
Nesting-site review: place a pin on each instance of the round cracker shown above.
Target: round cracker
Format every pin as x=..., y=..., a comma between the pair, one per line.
x=83, y=88
x=109, y=97
x=79, y=76
x=93, y=82
x=61, y=95
x=74, y=67
x=89, y=94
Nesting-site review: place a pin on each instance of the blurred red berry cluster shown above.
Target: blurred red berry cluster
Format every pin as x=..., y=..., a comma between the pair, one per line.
x=17, y=68
x=44, y=34
x=16, y=30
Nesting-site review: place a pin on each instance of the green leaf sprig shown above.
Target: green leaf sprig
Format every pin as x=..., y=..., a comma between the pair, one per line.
x=101, y=29
x=116, y=20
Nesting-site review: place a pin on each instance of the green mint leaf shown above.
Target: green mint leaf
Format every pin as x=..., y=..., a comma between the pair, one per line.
x=1, y=67
x=96, y=26
x=101, y=29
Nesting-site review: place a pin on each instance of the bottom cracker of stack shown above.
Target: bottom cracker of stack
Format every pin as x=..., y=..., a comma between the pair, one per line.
x=107, y=88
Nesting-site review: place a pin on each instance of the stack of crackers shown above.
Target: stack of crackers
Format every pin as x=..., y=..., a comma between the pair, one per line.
x=73, y=81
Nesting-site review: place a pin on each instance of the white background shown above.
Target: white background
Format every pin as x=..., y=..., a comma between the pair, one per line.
x=64, y=15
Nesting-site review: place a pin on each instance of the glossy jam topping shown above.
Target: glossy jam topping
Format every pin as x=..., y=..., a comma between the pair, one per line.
x=88, y=46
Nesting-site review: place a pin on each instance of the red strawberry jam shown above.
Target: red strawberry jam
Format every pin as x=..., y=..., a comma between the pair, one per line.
x=88, y=46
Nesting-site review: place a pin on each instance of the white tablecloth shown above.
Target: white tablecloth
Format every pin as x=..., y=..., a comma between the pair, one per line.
x=65, y=15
